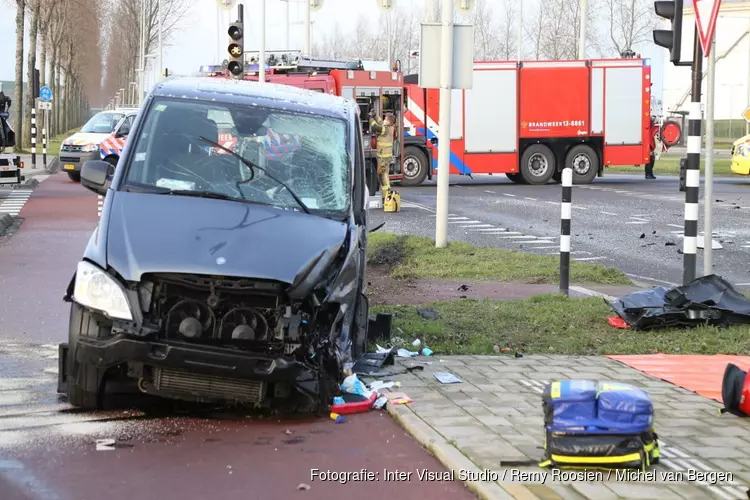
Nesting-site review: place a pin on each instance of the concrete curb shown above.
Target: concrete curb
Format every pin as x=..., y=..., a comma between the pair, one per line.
x=5, y=222
x=31, y=182
x=452, y=458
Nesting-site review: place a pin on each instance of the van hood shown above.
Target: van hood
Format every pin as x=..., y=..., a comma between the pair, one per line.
x=82, y=139
x=153, y=233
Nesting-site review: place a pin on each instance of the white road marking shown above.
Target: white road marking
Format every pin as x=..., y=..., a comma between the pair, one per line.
x=495, y=229
x=579, y=208
x=512, y=237
x=529, y=198
x=508, y=194
x=474, y=228
x=638, y=277
x=464, y=222
x=15, y=201
x=608, y=213
x=676, y=225
x=488, y=191
x=589, y=258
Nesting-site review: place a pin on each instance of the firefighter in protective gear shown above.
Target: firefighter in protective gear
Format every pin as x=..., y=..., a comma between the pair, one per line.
x=384, y=130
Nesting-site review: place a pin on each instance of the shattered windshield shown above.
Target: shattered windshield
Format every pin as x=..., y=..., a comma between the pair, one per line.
x=307, y=153
x=102, y=123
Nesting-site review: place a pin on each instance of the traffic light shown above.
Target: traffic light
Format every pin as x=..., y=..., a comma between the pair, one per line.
x=670, y=39
x=236, y=48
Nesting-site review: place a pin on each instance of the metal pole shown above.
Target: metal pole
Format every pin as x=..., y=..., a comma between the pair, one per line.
x=161, y=46
x=747, y=83
x=520, y=30
x=141, y=76
x=388, y=34
x=33, y=135
x=288, y=45
x=262, y=54
x=693, y=173
x=308, y=29
x=584, y=7
x=444, y=130
x=566, y=212
x=708, y=187
x=44, y=139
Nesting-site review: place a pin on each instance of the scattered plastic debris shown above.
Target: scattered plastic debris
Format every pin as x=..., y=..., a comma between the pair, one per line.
x=303, y=486
x=352, y=385
x=288, y=432
x=338, y=419
x=670, y=244
x=416, y=343
x=463, y=288
x=380, y=402
x=405, y=353
x=379, y=385
x=496, y=348
x=425, y=351
x=519, y=354
x=643, y=235
x=447, y=378
x=399, y=398
x=105, y=444
x=338, y=400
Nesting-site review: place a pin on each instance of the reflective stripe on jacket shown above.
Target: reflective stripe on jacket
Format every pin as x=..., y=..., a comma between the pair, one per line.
x=385, y=137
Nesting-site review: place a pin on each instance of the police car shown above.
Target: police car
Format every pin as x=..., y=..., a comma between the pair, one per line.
x=101, y=138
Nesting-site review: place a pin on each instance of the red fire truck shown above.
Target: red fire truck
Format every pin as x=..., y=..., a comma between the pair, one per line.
x=530, y=120
x=382, y=91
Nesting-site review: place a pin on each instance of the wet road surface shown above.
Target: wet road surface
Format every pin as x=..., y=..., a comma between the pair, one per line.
x=162, y=450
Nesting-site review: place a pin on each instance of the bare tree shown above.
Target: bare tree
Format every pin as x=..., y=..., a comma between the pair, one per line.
x=18, y=90
x=124, y=33
x=630, y=23
x=30, y=99
x=556, y=27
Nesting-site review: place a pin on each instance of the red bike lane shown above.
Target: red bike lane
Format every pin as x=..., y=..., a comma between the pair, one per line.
x=48, y=452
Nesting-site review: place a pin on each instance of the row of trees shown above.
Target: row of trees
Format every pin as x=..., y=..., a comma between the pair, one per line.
x=63, y=39
x=84, y=50
x=551, y=30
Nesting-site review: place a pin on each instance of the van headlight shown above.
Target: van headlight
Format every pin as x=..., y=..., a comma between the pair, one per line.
x=88, y=148
x=98, y=290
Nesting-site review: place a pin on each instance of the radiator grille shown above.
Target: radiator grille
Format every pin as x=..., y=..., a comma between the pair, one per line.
x=203, y=386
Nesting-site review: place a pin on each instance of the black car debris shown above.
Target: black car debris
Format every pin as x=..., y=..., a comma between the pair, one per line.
x=224, y=274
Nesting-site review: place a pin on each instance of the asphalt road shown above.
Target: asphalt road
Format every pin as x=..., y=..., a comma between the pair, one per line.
x=620, y=220
x=49, y=452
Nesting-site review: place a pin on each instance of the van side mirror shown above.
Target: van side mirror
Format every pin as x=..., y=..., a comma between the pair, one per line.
x=94, y=176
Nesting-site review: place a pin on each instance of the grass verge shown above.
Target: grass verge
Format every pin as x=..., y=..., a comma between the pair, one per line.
x=415, y=257
x=551, y=324
x=671, y=165
x=53, y=143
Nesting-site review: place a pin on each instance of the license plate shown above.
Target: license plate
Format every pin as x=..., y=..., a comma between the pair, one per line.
x=68, y=166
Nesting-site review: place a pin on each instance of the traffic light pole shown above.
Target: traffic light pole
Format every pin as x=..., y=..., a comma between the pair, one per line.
x=693, y=174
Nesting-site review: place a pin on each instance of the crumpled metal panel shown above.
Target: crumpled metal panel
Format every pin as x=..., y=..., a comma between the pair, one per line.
x=708, y=300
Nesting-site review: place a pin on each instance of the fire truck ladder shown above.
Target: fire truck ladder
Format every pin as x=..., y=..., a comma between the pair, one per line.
x=291, y=61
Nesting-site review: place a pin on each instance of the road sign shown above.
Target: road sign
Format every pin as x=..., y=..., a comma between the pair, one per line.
x=746, y=114
x=45, y=106
x=315, y=5
x=45, y=94
x=706, y=12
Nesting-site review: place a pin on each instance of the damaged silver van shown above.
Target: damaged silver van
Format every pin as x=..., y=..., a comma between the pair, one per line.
x=224, y=274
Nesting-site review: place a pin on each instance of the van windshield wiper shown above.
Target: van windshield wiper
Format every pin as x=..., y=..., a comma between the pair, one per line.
x=252, y=166
x=190, y=192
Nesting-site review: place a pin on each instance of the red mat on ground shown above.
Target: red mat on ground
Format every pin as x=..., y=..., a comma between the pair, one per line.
x=701, y=374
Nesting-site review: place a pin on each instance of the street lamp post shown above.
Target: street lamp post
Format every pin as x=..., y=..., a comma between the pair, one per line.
x=161, y=46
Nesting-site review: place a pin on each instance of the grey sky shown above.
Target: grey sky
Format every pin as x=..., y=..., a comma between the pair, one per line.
x=196, y=42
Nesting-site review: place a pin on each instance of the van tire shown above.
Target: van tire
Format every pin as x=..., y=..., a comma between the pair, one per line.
x=74, y=176
x=85, y=383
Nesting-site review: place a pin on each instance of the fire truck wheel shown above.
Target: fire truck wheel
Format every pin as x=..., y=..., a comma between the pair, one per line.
x=537, y=164
x=515, y=178
x=584, y=162
x=415, y=167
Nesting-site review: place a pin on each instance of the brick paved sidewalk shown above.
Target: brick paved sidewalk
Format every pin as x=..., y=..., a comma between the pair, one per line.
x=494, y=417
